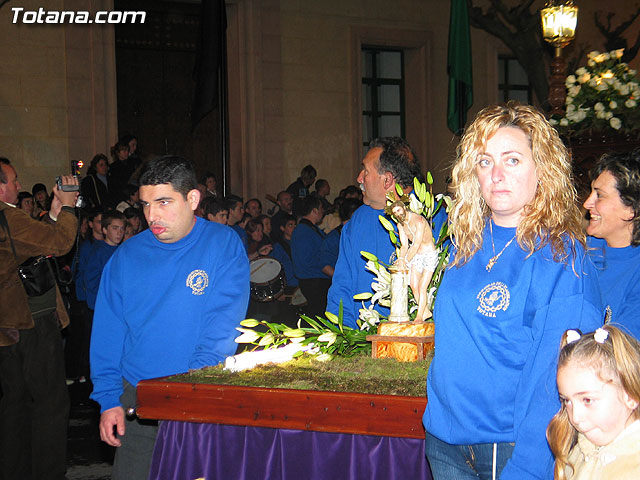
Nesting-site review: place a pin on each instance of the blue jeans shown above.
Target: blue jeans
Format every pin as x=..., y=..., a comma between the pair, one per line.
x=465, y=462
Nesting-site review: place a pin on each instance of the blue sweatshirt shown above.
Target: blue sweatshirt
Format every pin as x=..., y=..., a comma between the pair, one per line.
x=331, y=247
x=280, y=254
x=97, y=258
x=619, y=279
x=363, y=232
x=306, y=242
x=84, y=252
x=497, y=340
x=165, y=308
x=243, y=236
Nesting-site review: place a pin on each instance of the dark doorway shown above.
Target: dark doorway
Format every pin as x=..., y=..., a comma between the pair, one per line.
x=154, y=65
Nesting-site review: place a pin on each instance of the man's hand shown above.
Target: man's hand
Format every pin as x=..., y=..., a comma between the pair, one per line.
x=67, y=199
x=114, y=417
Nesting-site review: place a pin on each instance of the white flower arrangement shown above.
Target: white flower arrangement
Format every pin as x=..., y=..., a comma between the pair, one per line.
x=601, y=96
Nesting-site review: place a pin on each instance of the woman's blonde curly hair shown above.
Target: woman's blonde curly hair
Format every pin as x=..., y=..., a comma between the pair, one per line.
x=553, y=217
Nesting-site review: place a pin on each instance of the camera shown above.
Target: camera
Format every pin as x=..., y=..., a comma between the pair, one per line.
x=66, y=188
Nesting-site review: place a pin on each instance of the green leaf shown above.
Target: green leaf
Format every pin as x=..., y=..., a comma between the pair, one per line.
x=393, y=238
x=399, y=190
x=250, y=322
x=429, y=178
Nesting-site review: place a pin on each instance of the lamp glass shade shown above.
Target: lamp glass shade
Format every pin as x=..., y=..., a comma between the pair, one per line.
x=559, y=23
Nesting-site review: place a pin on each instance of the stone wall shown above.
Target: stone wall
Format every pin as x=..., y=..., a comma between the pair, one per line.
x=57, y=91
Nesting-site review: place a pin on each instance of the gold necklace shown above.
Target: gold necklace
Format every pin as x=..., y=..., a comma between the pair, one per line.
x=493, y=260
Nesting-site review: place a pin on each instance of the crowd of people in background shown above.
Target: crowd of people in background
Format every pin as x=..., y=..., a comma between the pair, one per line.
x=299, y=230
x=300, y=234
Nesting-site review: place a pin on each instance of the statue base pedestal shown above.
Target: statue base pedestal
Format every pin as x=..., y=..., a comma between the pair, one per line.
x=406, y=341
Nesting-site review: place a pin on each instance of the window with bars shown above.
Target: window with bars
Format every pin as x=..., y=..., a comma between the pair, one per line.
x=513, y=81
x=382, y=93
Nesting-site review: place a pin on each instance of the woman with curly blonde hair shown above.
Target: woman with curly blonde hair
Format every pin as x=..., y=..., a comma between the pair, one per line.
x=517, y=280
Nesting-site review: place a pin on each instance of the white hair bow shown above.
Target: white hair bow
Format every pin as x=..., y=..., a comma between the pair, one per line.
x=572, y=336
x=600, y=335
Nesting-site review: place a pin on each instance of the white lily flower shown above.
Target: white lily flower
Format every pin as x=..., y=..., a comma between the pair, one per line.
x=369, y=317
x=581, y=71
x=615, y=123
x=631, y=103
x=613, y=104
x=415, y=205
x=564, y=122
x=329, y=337
x=598, y=107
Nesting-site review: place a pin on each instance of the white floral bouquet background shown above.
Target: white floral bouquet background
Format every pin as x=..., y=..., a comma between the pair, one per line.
x=603, y=96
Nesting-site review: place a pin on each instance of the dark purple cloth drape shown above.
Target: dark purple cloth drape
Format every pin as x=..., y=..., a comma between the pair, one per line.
x=187, y=451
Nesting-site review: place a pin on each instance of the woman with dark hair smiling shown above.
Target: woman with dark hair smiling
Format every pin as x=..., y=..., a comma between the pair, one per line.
x=614, y=235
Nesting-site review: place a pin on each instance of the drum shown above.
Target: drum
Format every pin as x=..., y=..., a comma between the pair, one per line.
x=267, y=279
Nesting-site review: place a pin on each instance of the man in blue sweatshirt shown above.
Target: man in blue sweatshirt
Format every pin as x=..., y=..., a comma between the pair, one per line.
x=113, y=223
x=390, y=160
x=169, y=301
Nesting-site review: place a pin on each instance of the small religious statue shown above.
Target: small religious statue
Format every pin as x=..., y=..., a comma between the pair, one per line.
x=417, y=253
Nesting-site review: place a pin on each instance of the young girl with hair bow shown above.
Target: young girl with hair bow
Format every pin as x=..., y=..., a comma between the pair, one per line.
x=596, y=433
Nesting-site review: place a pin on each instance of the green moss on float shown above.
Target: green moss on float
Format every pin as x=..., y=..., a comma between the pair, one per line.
x=360, y=374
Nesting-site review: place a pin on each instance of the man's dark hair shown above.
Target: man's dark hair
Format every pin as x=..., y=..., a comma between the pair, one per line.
x=308, y=173
x=21, y=197
x=3, y=176
x=110, y=216
x=625, y=168
x=280, y=194
x=212, y=206
x=351, y=190
x=131, y=212
x=348, y=206
x=128, y=190
x=286, y=219
x=93, y=213
x=208, y=175
x=321, y=183
x=232, y=200
x=173, y=170
x=38, y=187
x=309, y=203
x=246, y=205
x=399, y=159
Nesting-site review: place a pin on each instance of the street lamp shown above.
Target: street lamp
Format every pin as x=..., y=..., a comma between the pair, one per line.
x=559, y=20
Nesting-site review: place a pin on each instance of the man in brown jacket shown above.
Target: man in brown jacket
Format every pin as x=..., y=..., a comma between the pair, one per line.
x=34, y=407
